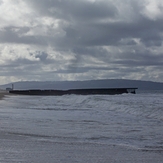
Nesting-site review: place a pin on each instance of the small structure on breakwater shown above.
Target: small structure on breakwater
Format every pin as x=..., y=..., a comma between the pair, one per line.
x=98, y=91
x=9, y=89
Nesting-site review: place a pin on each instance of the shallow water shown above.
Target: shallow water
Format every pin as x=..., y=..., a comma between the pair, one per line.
x=128, y=120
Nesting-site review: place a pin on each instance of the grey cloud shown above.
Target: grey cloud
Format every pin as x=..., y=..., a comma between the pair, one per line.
x=85, y=10
x=79, y=10
x=83, y=30
x=1, y=2
x=143, y=59
x=87, y=69
x=17, y=35
x=41, y=55
x=93, y=51
x=110, y=34
x=123, y=44
x=19, y=63
x=19, y=67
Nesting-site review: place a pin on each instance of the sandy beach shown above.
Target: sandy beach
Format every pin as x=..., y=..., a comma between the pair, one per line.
x=16, y=148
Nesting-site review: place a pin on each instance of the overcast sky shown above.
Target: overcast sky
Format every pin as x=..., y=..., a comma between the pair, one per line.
x=48, y=40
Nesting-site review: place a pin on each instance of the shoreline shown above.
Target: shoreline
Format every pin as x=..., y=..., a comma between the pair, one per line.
x=3, y=93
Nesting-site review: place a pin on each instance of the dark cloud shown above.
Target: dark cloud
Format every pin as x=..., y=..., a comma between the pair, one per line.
x=75, y=10
x=17, y=35
x=104, y=34
x=41, y=55
x=83, y=32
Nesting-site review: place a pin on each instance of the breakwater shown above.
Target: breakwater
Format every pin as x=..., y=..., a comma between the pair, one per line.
x=100, y=91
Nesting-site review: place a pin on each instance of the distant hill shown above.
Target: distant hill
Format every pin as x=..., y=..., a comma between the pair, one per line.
x=105, y=83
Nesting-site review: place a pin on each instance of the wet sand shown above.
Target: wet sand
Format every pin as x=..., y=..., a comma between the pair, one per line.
x=16, y=148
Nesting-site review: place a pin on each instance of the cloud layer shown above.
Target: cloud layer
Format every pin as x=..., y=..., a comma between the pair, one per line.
x=81, y=40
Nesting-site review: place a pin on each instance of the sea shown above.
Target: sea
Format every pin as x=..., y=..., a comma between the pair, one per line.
x=128, y=121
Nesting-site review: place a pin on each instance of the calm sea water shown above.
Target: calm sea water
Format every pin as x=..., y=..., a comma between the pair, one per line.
x=129, y=120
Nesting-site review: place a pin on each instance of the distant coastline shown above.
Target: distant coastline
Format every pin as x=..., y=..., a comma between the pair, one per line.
x=94, y=84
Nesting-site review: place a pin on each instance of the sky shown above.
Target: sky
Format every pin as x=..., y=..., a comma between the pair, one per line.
x=56, y=40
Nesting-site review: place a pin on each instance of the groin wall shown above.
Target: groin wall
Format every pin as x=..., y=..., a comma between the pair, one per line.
x=103, y=91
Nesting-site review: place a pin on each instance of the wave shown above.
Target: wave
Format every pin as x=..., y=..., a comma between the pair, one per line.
x=141, y=105
x=110, y=119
